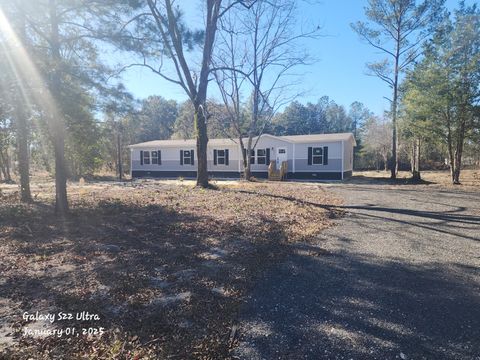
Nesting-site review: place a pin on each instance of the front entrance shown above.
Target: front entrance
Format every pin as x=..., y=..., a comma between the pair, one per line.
x=281, y=156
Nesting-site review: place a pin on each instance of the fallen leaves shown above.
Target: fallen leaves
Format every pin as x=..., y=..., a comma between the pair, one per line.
x=165, y=264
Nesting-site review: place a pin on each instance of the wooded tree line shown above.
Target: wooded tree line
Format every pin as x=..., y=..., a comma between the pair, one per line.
x=63, y=107
x=438, y=52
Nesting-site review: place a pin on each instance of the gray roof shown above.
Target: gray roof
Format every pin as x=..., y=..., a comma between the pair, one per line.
x=180, y=143
x=318, y=137
x=226, y=142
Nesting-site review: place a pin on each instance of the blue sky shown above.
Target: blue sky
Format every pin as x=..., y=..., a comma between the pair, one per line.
x=340, y=72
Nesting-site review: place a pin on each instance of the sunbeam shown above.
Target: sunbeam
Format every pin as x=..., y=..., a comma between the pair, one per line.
x=32, y=86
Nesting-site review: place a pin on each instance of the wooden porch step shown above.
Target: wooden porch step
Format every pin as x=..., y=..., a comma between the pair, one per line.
x=274, y=174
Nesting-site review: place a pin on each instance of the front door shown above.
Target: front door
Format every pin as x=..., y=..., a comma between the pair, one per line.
x=281, y=156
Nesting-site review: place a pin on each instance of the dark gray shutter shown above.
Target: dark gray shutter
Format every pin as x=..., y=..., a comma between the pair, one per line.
x=325, y=155
x=252, y=157
x=215, y=157
x=141, y=157
x=181, y=157
x=192, y=157
x=268, y=156
x=226, y=157
x=159, y=155
x=309, y=156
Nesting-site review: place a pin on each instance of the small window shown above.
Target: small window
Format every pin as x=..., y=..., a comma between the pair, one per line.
x=252, y=155
x=146, y=157
x=186, y=157
x=221, y=157
x=317, y=156
x=261, y=156
x=154, y=157
x=281, y=151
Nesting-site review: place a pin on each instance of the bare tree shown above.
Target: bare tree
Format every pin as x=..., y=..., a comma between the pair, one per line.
x=401, y=27
x=166, y=49
x=257, y=51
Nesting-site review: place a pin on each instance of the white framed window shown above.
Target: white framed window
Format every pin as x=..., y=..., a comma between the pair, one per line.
x=252, y=155
x=221, y=157
x=317, y=156
x=187, y=157
x=261, y=156
x=154, y=155
x=146, y=157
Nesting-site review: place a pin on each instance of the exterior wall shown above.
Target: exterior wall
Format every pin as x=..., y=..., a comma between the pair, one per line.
x=348, y=156
x=171, y=160
x=334, y=157
x=331, y=175
x=273, y=144
x=297, y=154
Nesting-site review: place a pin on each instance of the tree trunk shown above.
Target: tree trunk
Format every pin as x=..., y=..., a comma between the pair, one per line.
x=8, y=177
x=22, y=153
x=394, y=159
x=58, y=126
x=246, y=160
x=61, y=201
x=459, y=152
x=248, y=154
x=119, y=156
x=200, y=125
x=456, y=172
x=5, y=167
x=416, y=160
x=450, y=150
x=2, y=168
x=21, y=126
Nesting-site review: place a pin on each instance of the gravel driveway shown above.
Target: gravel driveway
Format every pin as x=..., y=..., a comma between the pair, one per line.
x=397, y=278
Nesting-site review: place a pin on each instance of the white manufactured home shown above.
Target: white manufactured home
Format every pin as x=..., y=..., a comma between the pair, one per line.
x=321, y=156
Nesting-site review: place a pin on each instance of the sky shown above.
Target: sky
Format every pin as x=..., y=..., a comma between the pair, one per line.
x=340, y=69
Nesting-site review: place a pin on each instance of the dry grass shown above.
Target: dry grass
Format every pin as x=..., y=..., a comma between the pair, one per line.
x=468, y=178
x=164, y=264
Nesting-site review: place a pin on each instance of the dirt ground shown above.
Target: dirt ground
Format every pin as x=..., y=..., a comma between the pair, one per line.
x=165, y=266
x=398, y=278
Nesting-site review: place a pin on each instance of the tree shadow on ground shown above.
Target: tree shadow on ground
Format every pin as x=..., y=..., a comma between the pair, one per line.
x=164, y=282
x=442, y=221
x=346, y=306
x=362, y=179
